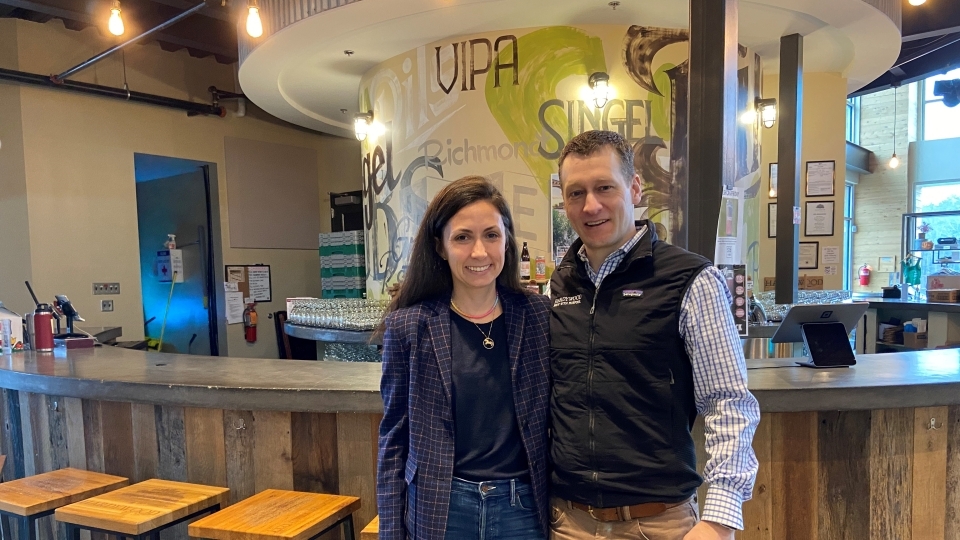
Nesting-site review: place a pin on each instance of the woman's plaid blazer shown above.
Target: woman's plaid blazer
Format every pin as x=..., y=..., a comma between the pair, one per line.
x=416, y=447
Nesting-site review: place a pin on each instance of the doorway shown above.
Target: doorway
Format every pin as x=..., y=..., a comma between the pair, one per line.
x=179, y=197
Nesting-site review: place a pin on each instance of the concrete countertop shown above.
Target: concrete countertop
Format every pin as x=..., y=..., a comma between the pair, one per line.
x=910, y=379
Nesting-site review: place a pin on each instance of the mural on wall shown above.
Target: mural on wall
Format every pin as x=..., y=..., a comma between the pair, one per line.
x=503, y=105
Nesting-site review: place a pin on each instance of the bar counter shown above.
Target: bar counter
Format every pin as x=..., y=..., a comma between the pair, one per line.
x=843, y=451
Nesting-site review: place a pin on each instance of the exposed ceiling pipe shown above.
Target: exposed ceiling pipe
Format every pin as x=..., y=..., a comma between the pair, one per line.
x=944, y=41
x=191, y=108
x=61, y=77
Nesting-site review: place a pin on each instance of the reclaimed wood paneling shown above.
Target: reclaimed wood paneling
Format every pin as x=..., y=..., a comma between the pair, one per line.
x=118, y=454
x=952, y=514
x=238, y=448
x=76, y=448
x=146, y=450
x=172, y=461
x=930, y=425
x=315, y=466
x=356, y=435
x=891, y=453
x=272, y=452
x=206, y=462
x=26, y=429
x=12, y=435
x=758, y=511
x=843, y=448
x=92, y=435
x=58, y=436
x=794, y=464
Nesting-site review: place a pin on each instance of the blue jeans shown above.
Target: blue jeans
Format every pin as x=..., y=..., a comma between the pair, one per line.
x=495, y=510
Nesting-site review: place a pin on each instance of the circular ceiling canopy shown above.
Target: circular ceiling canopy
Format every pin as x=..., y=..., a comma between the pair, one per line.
x=303, y=75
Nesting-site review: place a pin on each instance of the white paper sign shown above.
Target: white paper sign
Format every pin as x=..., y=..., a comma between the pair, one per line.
x=831, y=254
x=234, y=307
x=258, y=278
x=230, y=286
x=830, y=270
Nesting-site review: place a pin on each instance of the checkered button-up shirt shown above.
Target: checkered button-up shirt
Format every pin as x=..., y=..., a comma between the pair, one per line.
x=730, y=412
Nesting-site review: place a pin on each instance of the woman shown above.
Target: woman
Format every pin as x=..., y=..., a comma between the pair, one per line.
x=465, y=383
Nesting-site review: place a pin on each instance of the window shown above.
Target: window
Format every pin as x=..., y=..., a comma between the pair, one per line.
x=848, y=229
x=937, y=197
x=853, y=120
x=939, y=121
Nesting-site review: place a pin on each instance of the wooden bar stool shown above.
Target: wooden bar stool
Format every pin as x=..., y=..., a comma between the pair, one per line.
x=142, y=510
x=29, y=499
x=372, y=530
x=276, y=514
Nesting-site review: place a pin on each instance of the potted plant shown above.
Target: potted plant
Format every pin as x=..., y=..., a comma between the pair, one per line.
x=922, y=231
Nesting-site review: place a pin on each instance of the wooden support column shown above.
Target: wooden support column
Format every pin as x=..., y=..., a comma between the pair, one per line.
x=712, y=114
x=789, y=129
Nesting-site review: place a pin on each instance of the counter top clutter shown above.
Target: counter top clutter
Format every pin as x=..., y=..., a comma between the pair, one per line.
x=912, y=379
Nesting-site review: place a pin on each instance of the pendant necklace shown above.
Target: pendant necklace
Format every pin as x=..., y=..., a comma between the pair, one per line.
x=487, y=340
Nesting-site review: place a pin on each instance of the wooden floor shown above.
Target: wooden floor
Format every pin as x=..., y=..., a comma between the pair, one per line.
x=856, y=475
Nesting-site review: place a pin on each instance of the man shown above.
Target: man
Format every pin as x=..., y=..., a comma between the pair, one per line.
x=642, y=339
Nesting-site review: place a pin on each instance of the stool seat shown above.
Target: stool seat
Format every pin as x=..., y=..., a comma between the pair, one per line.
x=372, y=530
x=142, y=508
x=275, y=514
x=44, y=492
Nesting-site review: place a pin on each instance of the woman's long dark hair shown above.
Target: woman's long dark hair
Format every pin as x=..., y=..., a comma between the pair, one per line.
x=428, y=275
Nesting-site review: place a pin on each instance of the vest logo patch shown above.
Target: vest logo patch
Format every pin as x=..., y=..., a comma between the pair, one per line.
x=632, y=293
x=567, y=300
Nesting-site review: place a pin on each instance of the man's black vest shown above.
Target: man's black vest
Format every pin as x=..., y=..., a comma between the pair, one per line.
x=622, y=403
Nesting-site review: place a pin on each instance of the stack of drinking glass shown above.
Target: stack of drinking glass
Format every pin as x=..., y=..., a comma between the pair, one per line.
x=357, y=314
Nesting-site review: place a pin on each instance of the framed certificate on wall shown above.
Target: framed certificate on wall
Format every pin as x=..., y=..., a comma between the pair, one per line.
x=821, y=176
x=819, y=218
x=771, y=220
x=773, y=181
x=809, y=255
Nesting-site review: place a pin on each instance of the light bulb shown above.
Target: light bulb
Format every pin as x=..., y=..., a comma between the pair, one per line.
x=768, y=114
x=361, y=127
x=894, y=162
x=115, y=25
x=917, y=2
x=601, y=93
x=254, y=26
x=748, y=117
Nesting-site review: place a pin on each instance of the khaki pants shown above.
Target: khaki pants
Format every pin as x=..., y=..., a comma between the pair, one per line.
x=573, y=524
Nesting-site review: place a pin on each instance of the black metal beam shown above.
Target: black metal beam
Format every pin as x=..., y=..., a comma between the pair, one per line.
x=712, y=114
x=789, y=120
x=190, y=107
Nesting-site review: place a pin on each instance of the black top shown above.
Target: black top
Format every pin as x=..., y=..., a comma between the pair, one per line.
x=487, y=438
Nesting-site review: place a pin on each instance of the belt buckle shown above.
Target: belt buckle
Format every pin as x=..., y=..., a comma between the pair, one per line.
x=590, y=511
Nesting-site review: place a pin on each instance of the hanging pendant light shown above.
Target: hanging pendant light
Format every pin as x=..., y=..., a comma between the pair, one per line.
x=254, y=24
x=894, y=161
x=115, y=24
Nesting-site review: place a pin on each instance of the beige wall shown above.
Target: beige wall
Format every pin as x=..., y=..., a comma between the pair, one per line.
x=14, y=237
x=882, y=197
x=824, y=107
x=79, y=170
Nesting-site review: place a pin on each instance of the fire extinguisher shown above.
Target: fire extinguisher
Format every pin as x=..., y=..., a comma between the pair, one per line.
x=864, y=275
x=250, y=323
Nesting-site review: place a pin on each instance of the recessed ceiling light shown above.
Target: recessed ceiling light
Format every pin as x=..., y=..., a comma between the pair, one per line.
x=348, y=52
x=917, y=2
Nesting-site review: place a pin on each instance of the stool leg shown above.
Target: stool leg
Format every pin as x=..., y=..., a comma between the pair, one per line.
x=28, y=528
x=348, y=528
x=73, y=532
x=5, y=531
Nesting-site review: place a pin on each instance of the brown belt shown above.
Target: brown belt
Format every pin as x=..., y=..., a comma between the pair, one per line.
x=624, y=513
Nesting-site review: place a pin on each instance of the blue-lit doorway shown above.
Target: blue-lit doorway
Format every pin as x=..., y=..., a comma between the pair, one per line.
x=179, y=196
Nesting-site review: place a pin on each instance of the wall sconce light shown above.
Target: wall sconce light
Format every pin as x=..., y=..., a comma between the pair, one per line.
x=362, y=125
x=115, y=24
x=600, y=85
x=768, y=111
x=917, y=2
x=254, y=24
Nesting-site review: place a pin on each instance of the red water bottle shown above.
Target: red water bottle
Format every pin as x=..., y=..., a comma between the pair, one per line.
x=43, y=328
